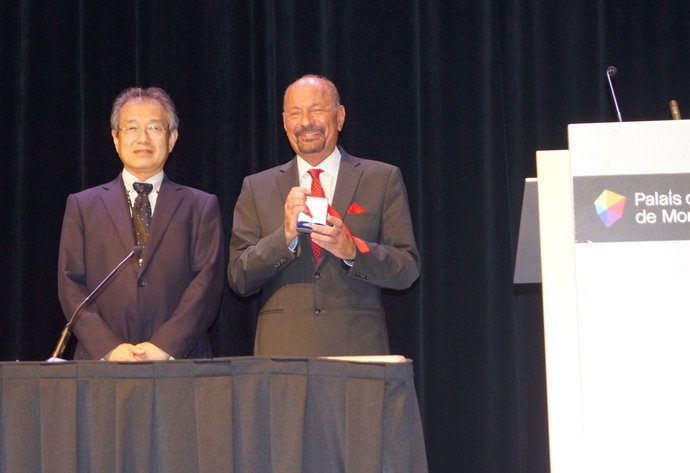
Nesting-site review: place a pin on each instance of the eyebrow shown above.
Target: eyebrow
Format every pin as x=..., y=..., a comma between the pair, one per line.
x=317, y=104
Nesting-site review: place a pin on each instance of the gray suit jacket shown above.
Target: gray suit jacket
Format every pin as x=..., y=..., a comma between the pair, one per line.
x=171, y=299
x=323, y=309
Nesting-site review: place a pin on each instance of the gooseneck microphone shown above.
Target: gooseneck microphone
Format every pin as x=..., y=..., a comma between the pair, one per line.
x=67, y=331
x=675, y=111
x=610, y=72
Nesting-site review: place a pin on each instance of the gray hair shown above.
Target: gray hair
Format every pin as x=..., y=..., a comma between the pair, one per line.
x=332, y=89
x=152, y=94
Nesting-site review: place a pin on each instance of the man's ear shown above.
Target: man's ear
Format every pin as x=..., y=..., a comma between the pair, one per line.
x=172, y=139
x=116, y=140
x=341, y=117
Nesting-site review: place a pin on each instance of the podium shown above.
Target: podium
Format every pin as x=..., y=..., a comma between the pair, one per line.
x=614, y=225
x=225, y=415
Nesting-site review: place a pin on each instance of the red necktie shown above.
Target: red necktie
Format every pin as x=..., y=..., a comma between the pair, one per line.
x=316, y=191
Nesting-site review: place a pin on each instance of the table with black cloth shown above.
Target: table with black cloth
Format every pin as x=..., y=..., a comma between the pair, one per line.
x=240, y=415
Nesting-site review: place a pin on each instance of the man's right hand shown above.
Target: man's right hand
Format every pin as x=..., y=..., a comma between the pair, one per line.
x=295, y=203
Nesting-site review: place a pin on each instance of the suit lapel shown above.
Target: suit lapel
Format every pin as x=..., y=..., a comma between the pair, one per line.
x=287, y=178
x=349, y=174
x=114, y=200
x=169, y=199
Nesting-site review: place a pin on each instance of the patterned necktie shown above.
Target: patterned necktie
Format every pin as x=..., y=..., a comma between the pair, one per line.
x=141, y=211
x=316, y=191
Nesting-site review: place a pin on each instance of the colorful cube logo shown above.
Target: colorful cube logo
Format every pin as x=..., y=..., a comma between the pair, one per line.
x=609, y=207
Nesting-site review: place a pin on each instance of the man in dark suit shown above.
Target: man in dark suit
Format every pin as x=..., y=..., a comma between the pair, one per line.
x=325, y=301
x=159, y=306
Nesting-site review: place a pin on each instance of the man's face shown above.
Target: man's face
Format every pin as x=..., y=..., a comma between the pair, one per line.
x=311, y=120
x=143, y=154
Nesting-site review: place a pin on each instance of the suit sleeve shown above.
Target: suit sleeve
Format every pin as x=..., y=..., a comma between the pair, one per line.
x=93, y=332
x=256, y=254
x=198, y=306
x=393, y=259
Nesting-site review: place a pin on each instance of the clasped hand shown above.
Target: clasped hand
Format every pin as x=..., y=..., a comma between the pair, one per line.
x=332, y=238
x=145, y=351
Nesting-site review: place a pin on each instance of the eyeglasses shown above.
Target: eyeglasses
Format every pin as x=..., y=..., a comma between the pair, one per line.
x=154, y=131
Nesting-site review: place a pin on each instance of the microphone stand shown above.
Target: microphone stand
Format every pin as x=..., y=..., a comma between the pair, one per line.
x=611, y=71
x=67, y=331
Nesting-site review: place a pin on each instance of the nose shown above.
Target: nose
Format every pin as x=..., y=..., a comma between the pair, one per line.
x=305, y=118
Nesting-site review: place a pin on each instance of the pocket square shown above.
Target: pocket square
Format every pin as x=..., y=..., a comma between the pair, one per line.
x=355, y=208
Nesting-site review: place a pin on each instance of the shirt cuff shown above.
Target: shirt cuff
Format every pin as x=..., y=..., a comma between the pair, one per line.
x=293, y=244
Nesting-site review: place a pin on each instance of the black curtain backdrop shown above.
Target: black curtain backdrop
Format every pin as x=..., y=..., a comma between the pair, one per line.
x=458, y=94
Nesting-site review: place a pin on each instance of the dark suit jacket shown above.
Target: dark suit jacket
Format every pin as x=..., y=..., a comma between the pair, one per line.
x=324, y=309
x=171, y=299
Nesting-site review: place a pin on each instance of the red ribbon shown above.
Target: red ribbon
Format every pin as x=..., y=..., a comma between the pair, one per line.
x=361, y=244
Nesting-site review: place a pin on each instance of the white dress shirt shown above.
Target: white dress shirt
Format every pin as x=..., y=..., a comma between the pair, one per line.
x=155, y=180
x=328, y=177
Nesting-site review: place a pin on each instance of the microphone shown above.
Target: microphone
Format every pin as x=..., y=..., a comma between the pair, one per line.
x=675, y=111
x=67, y=331
x=610, y=72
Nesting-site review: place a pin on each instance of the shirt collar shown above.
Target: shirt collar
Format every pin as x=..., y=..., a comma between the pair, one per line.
x=156, y=180
x=330, y=165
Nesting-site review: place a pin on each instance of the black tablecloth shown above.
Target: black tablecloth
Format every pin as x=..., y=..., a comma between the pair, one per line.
x=243, y=415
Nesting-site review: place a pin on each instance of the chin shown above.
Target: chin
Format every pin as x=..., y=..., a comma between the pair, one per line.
x=316, y=148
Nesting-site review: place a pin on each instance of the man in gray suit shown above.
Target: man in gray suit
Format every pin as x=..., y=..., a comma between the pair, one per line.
x=326, y=300
x=161, y=306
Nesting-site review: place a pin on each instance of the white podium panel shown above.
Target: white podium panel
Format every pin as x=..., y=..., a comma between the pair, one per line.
x=619, y=310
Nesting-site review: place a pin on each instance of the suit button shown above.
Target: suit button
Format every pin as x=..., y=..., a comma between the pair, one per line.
x=317, y=276
x=280, y=262
x=317, y=311
x=142, y=283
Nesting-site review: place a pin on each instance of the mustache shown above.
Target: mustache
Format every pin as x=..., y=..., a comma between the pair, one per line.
x=309, y=129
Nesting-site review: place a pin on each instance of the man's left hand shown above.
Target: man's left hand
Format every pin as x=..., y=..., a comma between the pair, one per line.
x=153, y=353
x=334, y=239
